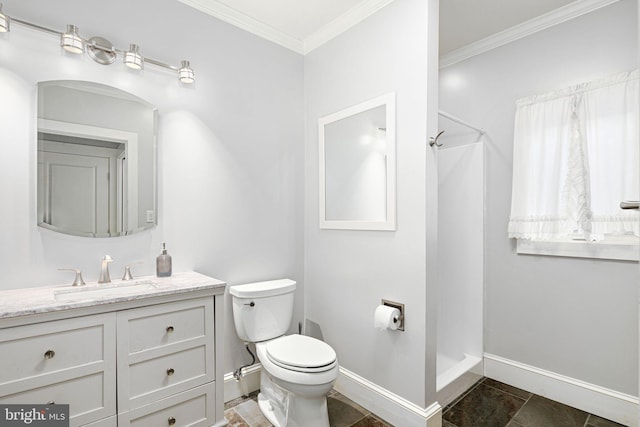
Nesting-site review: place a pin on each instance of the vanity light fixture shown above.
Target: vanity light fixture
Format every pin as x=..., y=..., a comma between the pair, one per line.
x=185, y=73
x=133, y=59
x=4, y=21
x=71, y=41
x=100, y=49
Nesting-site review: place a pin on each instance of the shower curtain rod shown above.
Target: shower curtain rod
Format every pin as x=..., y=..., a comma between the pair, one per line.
x=460, y=121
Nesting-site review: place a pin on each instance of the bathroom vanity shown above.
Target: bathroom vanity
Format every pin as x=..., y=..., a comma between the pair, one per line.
x=143, y=352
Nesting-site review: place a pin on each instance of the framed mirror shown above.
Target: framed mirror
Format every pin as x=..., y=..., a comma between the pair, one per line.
x=96, y=160
x=357, y=166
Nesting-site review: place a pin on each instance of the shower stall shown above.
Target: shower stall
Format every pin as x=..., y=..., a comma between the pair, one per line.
x=460, y=256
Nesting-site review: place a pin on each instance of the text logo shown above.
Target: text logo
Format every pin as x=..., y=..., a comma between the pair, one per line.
x=34, y=415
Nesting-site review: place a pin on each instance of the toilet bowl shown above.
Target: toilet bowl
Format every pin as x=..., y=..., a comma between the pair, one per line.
x=304, y=367
x=297, y=371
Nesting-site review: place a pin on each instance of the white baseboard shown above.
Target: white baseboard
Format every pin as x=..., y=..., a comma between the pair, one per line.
x=250, y=382
x=389, y=406
x=610, y=404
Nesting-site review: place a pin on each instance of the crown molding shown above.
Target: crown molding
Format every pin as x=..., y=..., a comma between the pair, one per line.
x=342, y=23
x=247, y=23
x=542, y=22
x=327, y=32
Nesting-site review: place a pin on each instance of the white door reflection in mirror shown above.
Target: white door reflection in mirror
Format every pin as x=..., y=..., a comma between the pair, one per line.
x=86, y=209
x=357, y=166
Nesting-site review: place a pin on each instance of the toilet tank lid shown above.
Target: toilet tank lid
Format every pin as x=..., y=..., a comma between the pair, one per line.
x=263, y=289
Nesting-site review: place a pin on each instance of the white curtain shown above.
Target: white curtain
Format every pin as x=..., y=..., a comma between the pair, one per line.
x=576, y=157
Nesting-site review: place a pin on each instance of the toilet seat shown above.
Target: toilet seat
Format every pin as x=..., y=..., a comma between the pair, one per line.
x=301, y=353
x=286, y=377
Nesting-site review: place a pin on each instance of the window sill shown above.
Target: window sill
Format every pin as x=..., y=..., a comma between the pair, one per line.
x=625, y=248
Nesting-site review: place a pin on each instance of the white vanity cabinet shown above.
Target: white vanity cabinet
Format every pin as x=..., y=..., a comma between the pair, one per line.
x=143, y=360
x=72, y=360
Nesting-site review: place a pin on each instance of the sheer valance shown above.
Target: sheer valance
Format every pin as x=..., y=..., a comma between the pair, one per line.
x=576, y=157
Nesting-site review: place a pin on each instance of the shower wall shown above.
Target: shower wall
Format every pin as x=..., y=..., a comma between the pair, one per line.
x=460, y=264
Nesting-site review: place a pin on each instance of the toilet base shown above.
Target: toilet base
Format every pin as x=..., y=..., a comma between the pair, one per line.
x=303, y=412
x=308, y=412
x=284, y=408
x=268, y=411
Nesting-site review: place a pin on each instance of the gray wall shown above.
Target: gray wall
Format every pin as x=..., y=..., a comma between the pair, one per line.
x=348, y=272
x=575, y=317
x=231, y=153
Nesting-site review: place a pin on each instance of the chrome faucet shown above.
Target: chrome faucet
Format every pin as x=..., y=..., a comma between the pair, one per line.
x=104, y=270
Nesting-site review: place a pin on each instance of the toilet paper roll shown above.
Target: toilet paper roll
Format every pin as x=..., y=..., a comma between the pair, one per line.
x=386, y=317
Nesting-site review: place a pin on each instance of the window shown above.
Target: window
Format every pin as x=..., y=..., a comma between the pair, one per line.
x=576, y=157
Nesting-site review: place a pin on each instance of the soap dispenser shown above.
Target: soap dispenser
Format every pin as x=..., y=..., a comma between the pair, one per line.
x=163, y=263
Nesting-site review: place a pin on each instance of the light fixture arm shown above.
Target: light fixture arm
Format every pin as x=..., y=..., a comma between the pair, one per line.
x=91, y=43
x=36, y=26
x=160, y=64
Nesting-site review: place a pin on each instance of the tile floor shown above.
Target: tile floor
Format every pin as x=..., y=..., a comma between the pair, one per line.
x=244, y=412
x=488, y=403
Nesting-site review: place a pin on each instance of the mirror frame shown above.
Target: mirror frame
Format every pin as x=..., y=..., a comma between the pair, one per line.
x=389, y=224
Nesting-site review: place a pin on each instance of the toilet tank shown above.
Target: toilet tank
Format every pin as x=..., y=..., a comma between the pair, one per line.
x=262, y=310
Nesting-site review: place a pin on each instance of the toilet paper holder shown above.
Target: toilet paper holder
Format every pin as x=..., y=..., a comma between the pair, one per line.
x=400, y=307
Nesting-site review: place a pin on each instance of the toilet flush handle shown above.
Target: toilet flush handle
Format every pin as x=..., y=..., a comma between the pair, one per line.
x=251, y=304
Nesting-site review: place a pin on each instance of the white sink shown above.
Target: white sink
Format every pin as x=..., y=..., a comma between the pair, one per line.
x=101, y=291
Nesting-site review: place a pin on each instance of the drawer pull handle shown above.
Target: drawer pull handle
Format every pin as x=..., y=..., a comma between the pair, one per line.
x=169, y=329
x=51, y=402
x=171, y=421
x=49, y=354
x=170, y=371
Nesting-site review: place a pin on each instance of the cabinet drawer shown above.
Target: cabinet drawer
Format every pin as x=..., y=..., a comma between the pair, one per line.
x=88, y=398
x=39, y=350
x=166, y=324
x=146, y=350
x=192, y=408
x=169, y=374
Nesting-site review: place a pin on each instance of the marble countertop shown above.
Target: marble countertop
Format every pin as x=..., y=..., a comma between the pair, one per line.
x=30, y=301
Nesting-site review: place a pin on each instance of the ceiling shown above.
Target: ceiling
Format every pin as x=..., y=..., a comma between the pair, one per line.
x=465, y=21
x=304, y=25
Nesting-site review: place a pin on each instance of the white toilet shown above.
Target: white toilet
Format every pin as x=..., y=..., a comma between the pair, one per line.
x=297, y=371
